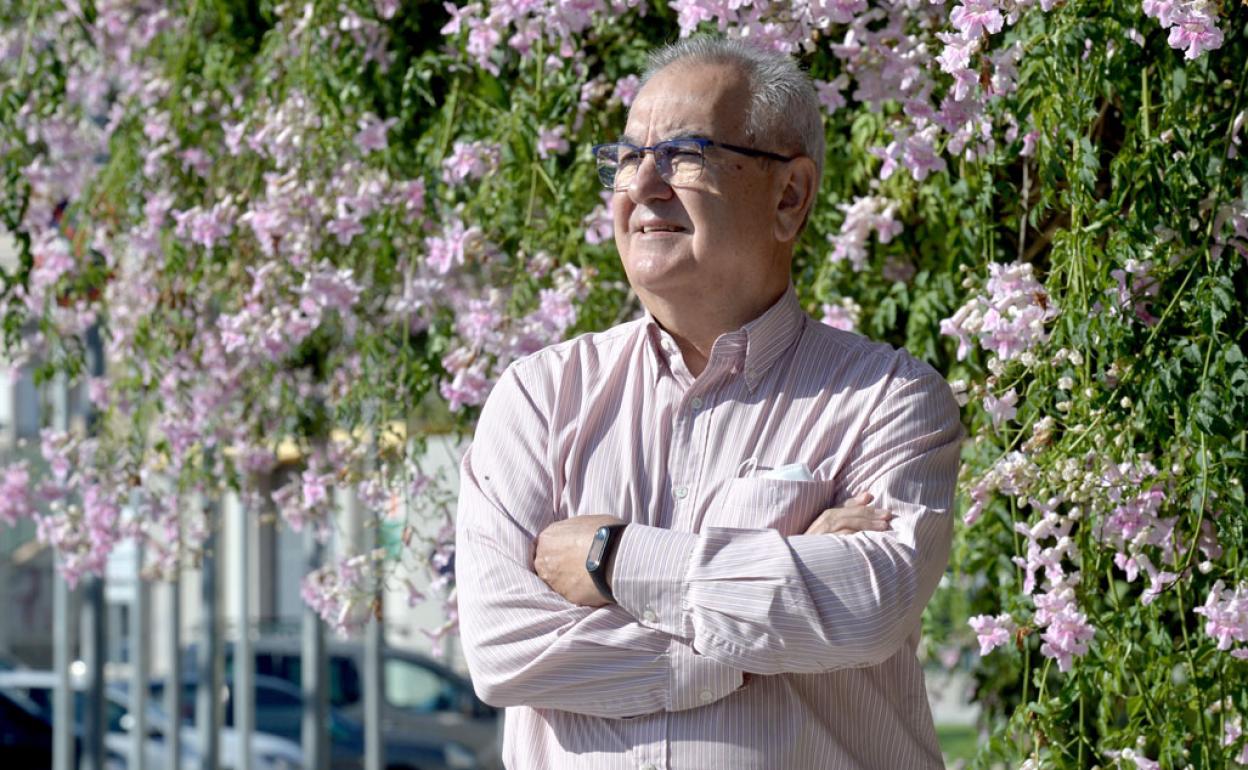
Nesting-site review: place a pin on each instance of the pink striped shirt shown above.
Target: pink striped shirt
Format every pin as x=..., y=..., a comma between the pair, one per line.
x=712, y=576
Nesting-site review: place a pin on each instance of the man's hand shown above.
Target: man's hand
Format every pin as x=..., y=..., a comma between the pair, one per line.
x=560, y=558
x=854, y=516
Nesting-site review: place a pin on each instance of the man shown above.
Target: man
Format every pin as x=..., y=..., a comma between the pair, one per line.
x=690, y=458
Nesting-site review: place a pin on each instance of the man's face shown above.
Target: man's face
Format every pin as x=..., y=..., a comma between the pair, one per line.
x=715, y=236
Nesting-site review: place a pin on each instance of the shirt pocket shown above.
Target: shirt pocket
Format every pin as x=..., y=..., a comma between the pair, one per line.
x=785, y=505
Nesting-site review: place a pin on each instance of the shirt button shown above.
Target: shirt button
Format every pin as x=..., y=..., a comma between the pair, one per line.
x=696, y=403
x=681, y=492
x=707, y=696
x=649, y=616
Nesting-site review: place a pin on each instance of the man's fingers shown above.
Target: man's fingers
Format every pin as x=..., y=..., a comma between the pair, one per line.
x=851, y=519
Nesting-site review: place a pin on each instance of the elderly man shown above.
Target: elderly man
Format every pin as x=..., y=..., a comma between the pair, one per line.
x=651, y=573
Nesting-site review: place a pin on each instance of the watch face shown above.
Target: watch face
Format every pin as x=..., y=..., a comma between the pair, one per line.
x=595, y=550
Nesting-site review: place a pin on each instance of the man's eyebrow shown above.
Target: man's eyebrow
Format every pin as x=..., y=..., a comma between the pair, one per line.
x=687, y=135
x=626, y=139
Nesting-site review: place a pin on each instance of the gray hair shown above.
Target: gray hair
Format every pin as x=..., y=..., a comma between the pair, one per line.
x=783, y=105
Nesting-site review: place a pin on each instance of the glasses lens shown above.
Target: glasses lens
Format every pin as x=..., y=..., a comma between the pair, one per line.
x=617, y=164
x=680, y=162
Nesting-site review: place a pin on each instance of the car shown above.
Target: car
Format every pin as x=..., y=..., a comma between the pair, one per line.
x=279, y=711
x=32, y=691
x=423, y=698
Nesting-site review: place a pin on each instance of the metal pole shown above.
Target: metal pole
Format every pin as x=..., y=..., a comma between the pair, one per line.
x=374, y=638
x=244, y=663
x=173, y=682
x=140, y=670
x=208, y=651
x=62, y=633
x=314, y=669
x=94, y=650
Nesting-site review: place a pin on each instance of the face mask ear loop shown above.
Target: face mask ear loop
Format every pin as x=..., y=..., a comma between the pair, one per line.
x=747, y=467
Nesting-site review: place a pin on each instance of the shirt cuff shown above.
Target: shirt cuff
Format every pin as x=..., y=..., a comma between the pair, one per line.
x=697, y=680
x=648, y=577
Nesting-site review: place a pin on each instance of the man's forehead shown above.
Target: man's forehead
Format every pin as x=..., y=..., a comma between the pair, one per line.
x=666, y=115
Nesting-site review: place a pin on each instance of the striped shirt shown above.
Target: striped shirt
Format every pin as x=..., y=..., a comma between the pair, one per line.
x=712, y=577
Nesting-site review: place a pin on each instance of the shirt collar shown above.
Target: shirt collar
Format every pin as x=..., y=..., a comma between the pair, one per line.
x=766, y=338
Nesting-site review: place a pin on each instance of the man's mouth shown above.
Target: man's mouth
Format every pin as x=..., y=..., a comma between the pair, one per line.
x=662, y=229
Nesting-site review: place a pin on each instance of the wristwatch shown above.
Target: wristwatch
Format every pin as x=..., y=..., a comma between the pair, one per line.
x=598, y=563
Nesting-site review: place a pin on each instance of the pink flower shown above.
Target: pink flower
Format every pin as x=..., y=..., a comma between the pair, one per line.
x=411, y=195
x=1001, y=409
x=826, y=12
x=992, y=632
x=830, y=92
x=450, y=249
x=1029, y=144
x=975, y=17
x=551, y=142
x=1066, y=630
x=1195, y=34
x=599, y=225
x=372, y=134
x=556, y=311
x=331, y=289
x=843, y=316
x=862, y=217
x=315, y=490
x=1226, y=614
x=1192, y=24
x=917, y=152
x=626, y=89
x=1010, y=319
x=15, y=494
x=344, y=229
x=468, y=385
x=203, y=227
x=195, y=159
x=52, y=261
x=470, y=160
x=957, y=53
x=478, y=322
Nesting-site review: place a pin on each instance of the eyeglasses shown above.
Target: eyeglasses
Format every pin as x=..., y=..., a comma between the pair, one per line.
x=679, y=161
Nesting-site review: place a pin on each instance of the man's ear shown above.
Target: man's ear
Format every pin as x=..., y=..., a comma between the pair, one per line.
x=796, y=198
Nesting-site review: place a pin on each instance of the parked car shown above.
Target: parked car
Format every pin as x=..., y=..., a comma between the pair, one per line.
x=31, y=691
x=26, y=735
x=423, y=698
x=279, y=711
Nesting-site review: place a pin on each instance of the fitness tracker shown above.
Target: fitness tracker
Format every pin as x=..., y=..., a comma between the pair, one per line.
x=598, y=563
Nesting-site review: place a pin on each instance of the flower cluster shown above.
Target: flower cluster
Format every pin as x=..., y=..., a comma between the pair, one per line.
x=843, y=315
x=1193, y=24
x=469, y=161
x=1226, y=617
x=1008, y=319
x=866, y=215
x=15, y=494
x=993, y=631
x=343, y=592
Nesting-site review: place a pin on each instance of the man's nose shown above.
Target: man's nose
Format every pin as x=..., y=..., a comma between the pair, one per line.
x=648, y=184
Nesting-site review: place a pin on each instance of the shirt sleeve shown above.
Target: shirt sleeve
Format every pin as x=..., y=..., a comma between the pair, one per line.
x=768, y=604
x=525, y=644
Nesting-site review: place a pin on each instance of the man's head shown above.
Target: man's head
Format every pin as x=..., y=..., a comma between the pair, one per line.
x=730, y=231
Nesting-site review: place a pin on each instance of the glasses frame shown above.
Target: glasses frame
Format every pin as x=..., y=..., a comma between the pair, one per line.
x=655, y=150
